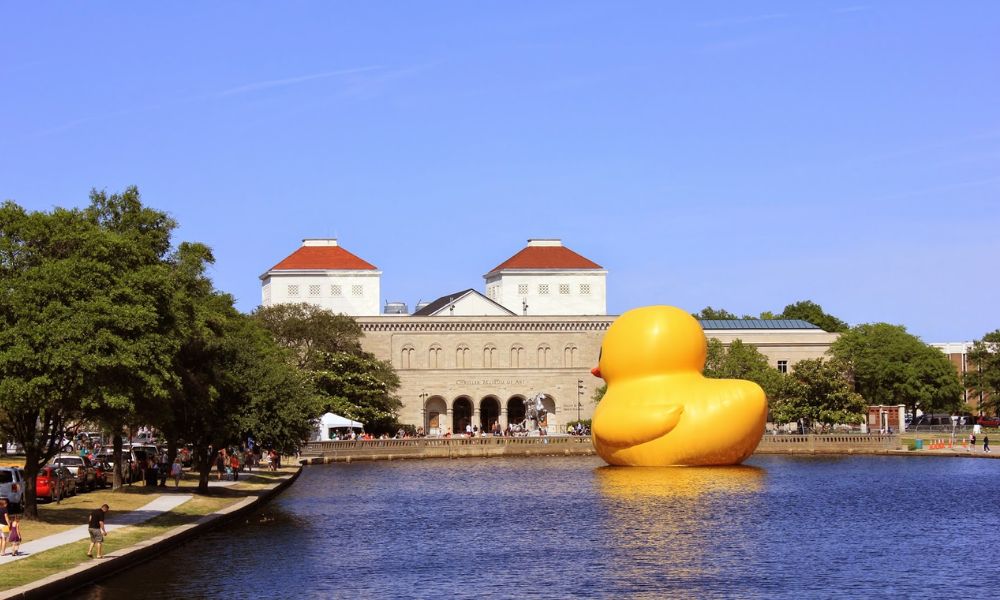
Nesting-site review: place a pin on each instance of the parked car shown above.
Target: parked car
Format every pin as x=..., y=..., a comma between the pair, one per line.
x=81, y=468
x=50, y=484
x=12, y=487
x=107, y=457
x=68, y=480
x=989, y=421
x=102, y=471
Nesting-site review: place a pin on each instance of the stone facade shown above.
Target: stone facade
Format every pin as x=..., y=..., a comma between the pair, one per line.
x=477, y=370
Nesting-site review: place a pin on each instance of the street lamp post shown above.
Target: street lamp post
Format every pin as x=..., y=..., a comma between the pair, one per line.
x=579, y=394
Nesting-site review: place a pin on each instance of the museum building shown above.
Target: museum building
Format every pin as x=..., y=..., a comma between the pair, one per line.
x=477, y=358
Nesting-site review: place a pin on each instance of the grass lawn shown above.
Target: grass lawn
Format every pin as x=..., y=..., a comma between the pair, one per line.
x=73, y=511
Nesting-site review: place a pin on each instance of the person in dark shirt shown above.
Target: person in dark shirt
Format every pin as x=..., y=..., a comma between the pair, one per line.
x=97, y=531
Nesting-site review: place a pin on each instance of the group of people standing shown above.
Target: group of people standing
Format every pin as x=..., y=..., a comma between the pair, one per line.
x=972, y=442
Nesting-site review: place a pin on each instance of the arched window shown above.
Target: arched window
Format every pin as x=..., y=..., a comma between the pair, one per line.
x=569, y=356
x=489, y=356
x=517, y=356
x=406, y=357
x=434, y=357
x=543, y=356
x=461, y=356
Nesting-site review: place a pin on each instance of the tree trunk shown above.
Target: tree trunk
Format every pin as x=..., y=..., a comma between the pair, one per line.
x=203, y=462
x=29, y=503
x=116, y=456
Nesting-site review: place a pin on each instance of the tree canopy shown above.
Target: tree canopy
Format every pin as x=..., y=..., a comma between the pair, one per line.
x=891, y=366
x=818, y=391
x=103, y=323
x=709, y=313
x=983, y=376
x=808, y=310
x=327, y=348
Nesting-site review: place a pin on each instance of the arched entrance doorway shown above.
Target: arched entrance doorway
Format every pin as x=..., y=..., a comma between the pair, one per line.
x=489, y=412
x=461, y=414
x=515, y=410
x=435, y=414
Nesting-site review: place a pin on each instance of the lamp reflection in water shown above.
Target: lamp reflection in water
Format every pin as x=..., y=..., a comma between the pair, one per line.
x=671, y=528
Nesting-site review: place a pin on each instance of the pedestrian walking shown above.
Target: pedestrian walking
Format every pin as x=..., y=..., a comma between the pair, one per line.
x=4, y=525
x=986, y=443
x=15, y=535
x=95, y=526
x=234, y=464
x=175, y=471
x=972, y=442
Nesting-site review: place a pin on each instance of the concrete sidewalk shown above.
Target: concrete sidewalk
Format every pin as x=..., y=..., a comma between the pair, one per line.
x=133, y=517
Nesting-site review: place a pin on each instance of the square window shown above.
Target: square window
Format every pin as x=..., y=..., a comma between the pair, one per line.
x=584, y=288
x=543, y=289
x=293, y=291
x=356, y=290
x=522, y=289
x=563, y=288
x=782, y=366
x=336, y=290
x=314, y=290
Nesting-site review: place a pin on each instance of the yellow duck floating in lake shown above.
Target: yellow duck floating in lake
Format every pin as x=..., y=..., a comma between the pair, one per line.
x=659, y=410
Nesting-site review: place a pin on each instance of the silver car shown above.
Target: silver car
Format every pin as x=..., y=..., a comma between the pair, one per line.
x=12, y=487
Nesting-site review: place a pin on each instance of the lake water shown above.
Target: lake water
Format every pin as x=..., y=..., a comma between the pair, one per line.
x=778, y=527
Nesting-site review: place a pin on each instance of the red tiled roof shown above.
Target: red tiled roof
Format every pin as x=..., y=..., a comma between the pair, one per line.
x=546, y=257
x=323, y=257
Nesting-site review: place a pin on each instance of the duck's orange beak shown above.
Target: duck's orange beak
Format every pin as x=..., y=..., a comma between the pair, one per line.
x=596, y=372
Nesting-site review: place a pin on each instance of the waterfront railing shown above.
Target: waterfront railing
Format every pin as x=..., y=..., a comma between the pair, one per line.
x=454, y=447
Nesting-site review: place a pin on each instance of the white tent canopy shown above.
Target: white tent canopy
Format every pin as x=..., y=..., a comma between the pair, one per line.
x=330, y=421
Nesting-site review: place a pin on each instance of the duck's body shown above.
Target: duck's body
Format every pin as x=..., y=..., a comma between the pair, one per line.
x=659, y=410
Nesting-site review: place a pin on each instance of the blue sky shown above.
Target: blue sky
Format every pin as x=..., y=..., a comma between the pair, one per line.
x=743, y=155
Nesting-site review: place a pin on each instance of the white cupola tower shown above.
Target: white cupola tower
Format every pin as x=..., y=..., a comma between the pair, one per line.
x=547, y=278
x=323, y=273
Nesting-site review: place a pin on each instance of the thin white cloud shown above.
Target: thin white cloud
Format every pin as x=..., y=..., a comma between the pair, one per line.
x=242, y=89
x=273, y=83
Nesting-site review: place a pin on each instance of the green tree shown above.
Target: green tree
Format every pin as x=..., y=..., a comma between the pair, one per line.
x=138, y=298
x=327, y=348
x=599, y=392
x=983, y=378
x=82, y=319
x=360, y=387
x=307, y=330
x=819, y=391
x=890, y=366
x=742, y=361
x=808, y=310
x=709, y=313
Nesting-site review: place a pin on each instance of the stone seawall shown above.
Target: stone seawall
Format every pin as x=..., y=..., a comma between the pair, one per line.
x=347, y=451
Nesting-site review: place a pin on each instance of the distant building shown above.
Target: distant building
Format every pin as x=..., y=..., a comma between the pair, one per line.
x=547, y=278
x=958, y=355
x=322, y=273
x=469, y=358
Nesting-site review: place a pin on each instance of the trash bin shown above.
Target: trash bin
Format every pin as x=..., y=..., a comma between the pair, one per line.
x=918, y=444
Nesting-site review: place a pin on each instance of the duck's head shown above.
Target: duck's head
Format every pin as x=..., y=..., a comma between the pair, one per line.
x=649, y=341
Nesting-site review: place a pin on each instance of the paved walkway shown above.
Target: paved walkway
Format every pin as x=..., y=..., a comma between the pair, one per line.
x=124, y=519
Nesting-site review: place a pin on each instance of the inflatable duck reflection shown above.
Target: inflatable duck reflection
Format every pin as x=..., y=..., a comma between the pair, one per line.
x=659, y=410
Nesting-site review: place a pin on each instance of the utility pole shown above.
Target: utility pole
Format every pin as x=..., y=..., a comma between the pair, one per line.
x=579, y=394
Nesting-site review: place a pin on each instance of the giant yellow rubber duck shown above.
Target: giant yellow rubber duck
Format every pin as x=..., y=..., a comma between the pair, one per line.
x=659, y=410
